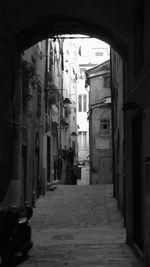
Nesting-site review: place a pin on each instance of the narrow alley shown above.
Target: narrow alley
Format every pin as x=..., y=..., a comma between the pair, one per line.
x=79, y=226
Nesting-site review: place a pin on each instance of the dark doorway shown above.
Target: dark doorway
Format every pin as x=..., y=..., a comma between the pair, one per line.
x=117, y=169
x=37, y=172
x=24, y=171
x=137, y=156
x=48, y=159
x=37, y=166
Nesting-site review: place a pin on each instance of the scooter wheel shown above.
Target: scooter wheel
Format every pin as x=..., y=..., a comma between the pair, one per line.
x=24, y=251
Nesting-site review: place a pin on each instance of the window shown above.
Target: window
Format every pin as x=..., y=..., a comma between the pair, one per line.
x=73, y=145
x=99, y=54
x=82, y=103
x=105, y=126
x=107, y=81
x=38, y=100
x=82, y=140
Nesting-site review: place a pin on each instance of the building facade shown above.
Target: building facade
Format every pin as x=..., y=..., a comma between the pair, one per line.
x=91, y=53
x=98, y=80
x=118, y=137
x=70, y=95
x=33, y=84
x=48, y=122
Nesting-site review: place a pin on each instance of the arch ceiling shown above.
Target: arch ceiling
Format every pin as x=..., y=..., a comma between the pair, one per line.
x=25, y=22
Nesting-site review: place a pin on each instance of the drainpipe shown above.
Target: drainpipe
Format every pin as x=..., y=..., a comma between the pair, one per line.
x=46, y=75
x=113, y=130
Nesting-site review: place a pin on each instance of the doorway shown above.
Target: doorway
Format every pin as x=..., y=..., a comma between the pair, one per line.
x=137, y=156
x=48, y=159
x=24, y=171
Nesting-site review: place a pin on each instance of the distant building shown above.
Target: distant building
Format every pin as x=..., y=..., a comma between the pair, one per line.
x=69, y=113
x=98, y=79
x=91, y=53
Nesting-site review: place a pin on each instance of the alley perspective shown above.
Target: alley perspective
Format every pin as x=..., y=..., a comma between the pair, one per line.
x=70, y=155
x=75, y=115
x=79, y=226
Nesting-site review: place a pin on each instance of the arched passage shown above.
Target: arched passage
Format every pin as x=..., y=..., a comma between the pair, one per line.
x=25, y=38
x=48, y=26
x=24, y=24
x=116, y=18
x=60, y=24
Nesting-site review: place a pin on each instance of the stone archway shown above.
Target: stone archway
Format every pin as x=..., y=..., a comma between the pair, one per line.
x=59, y=24
x=22, y=25
x=26, y=36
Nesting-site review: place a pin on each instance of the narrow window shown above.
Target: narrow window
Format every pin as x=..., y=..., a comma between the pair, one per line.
x=84, y=103
x=105, y=126
x=80, y=103
x=107, y=81
x=80, y=140
x=38, y=100
x=84, y=140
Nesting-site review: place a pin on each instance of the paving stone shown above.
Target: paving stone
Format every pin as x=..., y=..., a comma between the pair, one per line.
x=79, y=226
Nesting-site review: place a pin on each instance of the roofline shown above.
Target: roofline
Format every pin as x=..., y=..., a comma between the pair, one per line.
x=93, y=75
x=98, y=65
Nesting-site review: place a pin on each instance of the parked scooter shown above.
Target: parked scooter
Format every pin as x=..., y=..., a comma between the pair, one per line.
x=15, y=232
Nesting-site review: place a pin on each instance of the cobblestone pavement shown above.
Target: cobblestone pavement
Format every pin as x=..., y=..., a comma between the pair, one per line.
x=79, y=226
